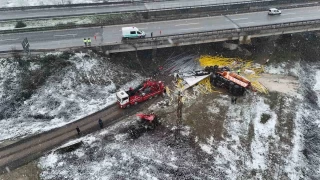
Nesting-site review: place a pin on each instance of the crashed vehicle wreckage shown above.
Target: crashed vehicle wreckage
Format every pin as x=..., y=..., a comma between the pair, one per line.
x=224, y=78
x=146, y=122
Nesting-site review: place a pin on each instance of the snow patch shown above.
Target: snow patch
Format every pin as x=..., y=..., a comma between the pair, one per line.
x=262, y=133
x=84, y=87
x=317, y=83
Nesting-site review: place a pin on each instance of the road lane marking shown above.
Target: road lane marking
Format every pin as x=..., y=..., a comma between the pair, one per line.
x=138, y=28
x=287, y=14
x=166, y=4
x=113, y=42
x=62, y=35
x=191, y=29
x=292, y=18
x=288, y=18
x=239, y=19
x=186, y=24
x=247, y=23
x=9, y=39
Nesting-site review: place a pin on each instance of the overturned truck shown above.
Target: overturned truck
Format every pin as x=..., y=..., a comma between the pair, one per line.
x=223, y=77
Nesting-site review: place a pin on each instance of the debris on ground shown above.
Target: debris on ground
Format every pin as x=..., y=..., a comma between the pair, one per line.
x=251, y=71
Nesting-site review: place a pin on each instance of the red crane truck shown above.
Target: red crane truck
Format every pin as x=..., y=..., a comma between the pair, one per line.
x=145, y=91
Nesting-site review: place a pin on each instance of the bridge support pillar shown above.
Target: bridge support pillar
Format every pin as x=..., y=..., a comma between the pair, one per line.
x=246, y=39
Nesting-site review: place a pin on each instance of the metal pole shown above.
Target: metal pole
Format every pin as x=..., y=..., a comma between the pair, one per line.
x=179, y=115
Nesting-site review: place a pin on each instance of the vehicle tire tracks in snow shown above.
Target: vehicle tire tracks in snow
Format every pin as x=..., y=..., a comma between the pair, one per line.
x=30, y=148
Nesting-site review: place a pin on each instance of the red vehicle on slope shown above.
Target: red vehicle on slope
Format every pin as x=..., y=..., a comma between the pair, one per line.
x=145, y=91
x=145, y=123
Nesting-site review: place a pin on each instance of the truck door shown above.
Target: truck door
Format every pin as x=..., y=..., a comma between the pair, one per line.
x=133, y=34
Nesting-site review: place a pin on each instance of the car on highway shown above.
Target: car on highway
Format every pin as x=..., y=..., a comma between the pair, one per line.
x=274, y=11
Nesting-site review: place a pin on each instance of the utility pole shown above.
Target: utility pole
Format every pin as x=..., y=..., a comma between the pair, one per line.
x=179, y=115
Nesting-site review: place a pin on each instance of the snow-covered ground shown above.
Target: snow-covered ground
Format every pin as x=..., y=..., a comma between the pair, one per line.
x=19, y=3
x=47, y=23
x=250, y=147
x=84, y=86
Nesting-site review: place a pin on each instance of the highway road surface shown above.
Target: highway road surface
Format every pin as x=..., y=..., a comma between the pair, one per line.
x=54, y=12
x=112, y=34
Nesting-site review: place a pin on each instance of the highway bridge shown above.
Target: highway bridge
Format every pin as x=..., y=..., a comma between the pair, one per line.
x=182, y=32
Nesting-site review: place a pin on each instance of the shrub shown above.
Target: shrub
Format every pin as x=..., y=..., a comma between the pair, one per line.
x=265, y=118
x=20, y=24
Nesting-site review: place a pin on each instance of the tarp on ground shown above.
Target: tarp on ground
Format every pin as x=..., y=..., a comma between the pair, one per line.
x=192, y=80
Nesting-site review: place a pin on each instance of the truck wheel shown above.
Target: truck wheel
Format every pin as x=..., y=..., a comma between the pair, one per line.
x=231, y=84
x=215, y=67
x=214, y=82
x=236, y=89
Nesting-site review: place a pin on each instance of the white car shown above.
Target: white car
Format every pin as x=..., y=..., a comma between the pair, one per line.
x=274, y=11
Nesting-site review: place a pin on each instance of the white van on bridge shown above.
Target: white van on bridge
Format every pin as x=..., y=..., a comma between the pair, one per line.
x=132, y=32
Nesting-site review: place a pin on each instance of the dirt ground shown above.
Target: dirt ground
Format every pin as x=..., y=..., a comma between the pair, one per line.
x=280, y=83
x=29, y=171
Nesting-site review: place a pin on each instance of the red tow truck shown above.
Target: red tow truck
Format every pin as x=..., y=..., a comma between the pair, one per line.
x=145, y=91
